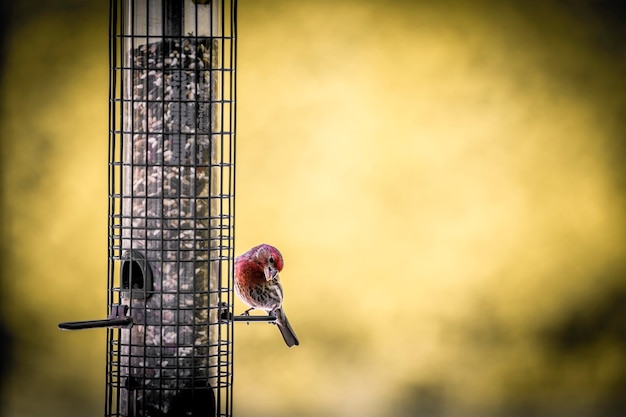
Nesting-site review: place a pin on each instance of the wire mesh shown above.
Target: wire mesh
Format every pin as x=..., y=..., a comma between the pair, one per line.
x=171, y=206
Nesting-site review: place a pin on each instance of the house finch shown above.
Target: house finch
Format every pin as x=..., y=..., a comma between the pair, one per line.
x=258, y=286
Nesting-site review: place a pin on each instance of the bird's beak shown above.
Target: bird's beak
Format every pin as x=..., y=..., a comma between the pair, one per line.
x=269, y=272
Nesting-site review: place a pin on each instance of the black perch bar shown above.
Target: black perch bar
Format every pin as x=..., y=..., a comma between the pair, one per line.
x=226, y=315
x=117, y=319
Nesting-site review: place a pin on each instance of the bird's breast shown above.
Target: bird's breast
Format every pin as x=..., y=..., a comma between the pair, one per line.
x=250, y=273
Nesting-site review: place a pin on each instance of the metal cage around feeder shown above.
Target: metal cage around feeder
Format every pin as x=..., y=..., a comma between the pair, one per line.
x=171, y=207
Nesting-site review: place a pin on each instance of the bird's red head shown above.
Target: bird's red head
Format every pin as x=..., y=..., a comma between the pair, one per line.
x=269, y=258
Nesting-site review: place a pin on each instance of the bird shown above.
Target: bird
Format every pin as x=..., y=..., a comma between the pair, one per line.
x=258, y=285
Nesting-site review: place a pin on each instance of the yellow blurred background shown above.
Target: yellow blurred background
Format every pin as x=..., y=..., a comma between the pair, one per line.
x=445, y=180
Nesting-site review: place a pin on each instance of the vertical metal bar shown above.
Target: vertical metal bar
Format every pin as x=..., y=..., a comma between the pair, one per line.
x=231, y=202
x=110, y=359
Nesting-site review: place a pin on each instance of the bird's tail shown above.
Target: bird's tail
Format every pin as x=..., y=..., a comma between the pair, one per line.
x=285, y=328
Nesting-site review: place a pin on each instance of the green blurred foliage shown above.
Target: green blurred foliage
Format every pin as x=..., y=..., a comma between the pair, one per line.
x=444, y=179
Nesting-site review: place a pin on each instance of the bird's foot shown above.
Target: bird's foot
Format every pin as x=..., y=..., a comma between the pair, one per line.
x=246, y=314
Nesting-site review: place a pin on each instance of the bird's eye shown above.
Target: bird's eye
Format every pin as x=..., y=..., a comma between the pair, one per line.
x=271, y=260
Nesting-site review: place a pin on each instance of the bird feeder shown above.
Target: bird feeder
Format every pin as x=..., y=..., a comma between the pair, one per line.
x=171, y=208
